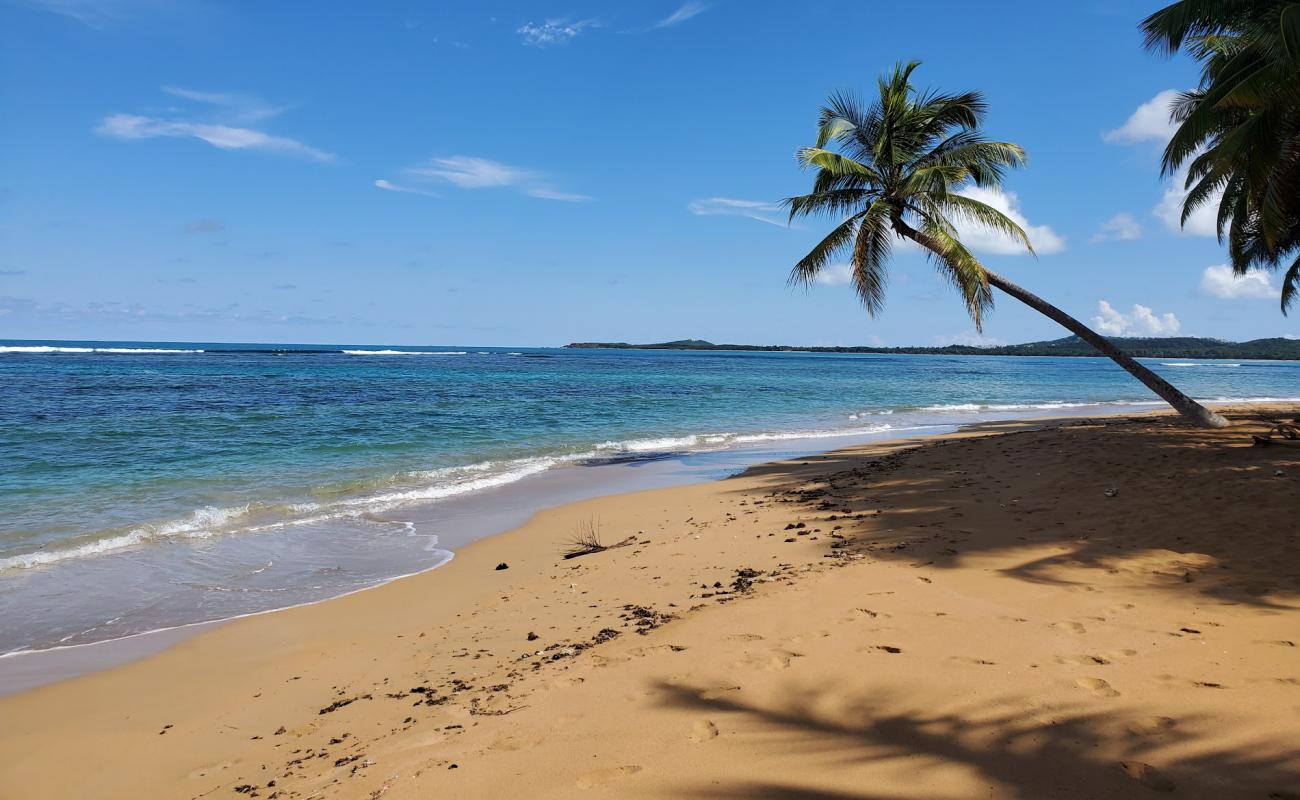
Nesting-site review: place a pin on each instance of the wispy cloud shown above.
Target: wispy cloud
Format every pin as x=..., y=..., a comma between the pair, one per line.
x=1141, y=321
x=553, y=31
x=113, y=312
x=224, y=127
x=1122, y=227
x=761, y=210
x=473, y=172
x=389, y=186
x=1149, y=123
x=1220, y=281
x=238, y=107
x=684, y=12
x=93, y=13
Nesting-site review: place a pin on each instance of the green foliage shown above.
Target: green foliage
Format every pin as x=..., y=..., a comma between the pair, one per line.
x=1239, y=131
x=891, y=169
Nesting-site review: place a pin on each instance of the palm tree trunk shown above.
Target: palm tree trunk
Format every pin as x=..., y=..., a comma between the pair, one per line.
x=1182, y=403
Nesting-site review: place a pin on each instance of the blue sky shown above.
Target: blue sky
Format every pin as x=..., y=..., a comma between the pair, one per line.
x=499, y=173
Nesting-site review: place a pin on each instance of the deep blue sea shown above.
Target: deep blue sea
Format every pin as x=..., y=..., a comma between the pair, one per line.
x=154, y=484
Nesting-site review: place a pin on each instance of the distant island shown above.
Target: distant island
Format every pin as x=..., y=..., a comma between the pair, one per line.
x=1141, y=347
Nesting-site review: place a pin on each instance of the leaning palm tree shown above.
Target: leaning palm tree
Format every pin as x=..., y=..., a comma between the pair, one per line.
x=1238, y=133
x=895, y=172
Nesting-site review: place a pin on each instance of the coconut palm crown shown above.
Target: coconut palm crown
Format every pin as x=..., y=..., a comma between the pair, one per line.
x=895, y=171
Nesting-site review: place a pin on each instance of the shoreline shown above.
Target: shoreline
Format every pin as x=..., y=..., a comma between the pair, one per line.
x=24, y=669
x=941, y=546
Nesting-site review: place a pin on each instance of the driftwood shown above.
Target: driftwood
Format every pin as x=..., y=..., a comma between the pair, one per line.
x=1283, y=434
x=585, y=548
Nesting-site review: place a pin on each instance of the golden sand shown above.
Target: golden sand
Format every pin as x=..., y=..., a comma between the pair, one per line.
x=967, y=616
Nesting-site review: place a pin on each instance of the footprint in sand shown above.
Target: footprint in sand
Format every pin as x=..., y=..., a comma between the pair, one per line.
x=975, y=661
x=1089, y=660
x=1097, y=686
x=601, y=777
x=1150, y=726
x=744, y=637
x=1147, y=775
x=1072, y=627
x=702, y=731
x=510, y=744
x=770, y=661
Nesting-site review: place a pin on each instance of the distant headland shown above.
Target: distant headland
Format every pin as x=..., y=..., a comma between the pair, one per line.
x=1141, y=347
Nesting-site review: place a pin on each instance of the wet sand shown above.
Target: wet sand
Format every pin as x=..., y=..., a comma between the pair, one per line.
x=1076, y=609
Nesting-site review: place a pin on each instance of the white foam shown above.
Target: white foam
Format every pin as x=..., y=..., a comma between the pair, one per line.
x=403, y=352
x=1201, y=364
x=199, y=524
x=115, y=350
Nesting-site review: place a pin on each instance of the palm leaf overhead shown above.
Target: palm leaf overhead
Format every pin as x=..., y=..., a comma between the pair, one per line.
x=1238, y=134
x=893, y=168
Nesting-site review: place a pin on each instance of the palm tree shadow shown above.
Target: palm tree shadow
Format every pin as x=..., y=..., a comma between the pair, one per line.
x=1169, y=524
x=1067, y=754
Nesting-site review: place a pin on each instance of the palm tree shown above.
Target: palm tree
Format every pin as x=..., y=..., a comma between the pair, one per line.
x=1239, y=132
x=895, y=174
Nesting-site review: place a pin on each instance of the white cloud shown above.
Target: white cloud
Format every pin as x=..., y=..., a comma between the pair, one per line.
x=236, y=107
x=550, y=194
x=1122, y=226
x=552, y=31
x=389, y=186
x=1045, y=240
x=224, y=126
x=761, y=210
x=469, y=172
x=1150, y=123
x=1141, y=321
x=1219, y=281
x=472, y=172
x=685, y=12
x=1202, y=222
x=969, y=339
x=225, y=137
x=835, y=275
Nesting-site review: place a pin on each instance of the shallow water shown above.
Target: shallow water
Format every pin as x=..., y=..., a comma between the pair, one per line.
x=147, y=485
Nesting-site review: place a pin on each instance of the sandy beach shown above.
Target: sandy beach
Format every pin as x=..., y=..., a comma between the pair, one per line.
x=1072, y=609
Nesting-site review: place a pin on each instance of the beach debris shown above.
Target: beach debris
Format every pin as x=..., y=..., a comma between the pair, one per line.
x=586, y=540
x=502, y=565
x=1112, y=492
x=604, y=635
x=532, y=637
x=347, y=701
x=645, y=619
x=744, y=580
x=280, y=731
x=1283, y=433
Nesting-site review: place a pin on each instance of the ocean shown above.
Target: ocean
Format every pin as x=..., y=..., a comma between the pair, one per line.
x=151, y=485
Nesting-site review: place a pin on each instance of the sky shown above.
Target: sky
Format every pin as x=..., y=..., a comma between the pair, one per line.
x=535, y=173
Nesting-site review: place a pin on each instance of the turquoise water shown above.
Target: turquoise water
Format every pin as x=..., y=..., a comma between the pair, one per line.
x=151, y=477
